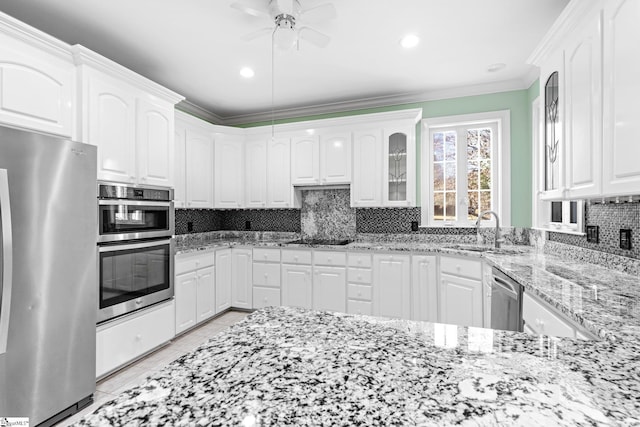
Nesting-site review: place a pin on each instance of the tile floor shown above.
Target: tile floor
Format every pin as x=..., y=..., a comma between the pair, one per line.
x=109, y=387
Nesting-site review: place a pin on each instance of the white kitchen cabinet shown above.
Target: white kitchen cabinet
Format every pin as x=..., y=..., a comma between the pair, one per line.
x=279, y=188
x=335, y=158
x=621, y=69
x=155, y=143
x=194, y=289
x=296, y=280
x=228, y=172
x=180, y=169
x=305, y=160
x=266, y=277
x=366, y=187
x=37, y=88
x=359, y=283
x=460, y=291
x=330, y=280
x=224, y=279
x=424, y=284
x=128, y=338
x=255, y=167
x=392, y=285
x=242, y=288
x=540, y=320
x=399, y=166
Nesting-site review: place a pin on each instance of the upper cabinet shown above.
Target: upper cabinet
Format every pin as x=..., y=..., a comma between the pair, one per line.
x=268, y=172
x=320, y=160
x=399, y=166
x=37, y=88
x=366, y=188
x=621, y=169
x=305, y=160
x=130, y=119
x=228, y=171
x=589, y=108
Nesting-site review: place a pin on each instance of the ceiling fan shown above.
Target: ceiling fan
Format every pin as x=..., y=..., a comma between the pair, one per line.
x=287, y=15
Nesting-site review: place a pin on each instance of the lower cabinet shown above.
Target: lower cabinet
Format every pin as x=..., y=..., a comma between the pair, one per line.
x=126, y=339
x=266, y=277
x=460, y=291
x=541, y=319
x=392, y=286
x=359, y=284
x=297, y=285
x=224, y=278
x=424, y=288
x=194, y=289
x=241, y=278
x=330, y=281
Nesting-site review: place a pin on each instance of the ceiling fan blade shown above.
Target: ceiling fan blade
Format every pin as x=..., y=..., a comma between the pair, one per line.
x=256, y=34
x=258, y=8
x=314, y=37
x=324, y=12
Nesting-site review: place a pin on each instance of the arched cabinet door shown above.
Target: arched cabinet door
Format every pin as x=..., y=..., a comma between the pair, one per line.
x=398, y=188
x=36, y=88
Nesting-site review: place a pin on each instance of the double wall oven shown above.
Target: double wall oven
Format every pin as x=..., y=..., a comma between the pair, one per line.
x=135, y=246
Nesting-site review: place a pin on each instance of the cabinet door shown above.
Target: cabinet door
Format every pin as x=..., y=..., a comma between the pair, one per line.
x=305, y=160
x=199, y=169
x=36, y=89
x=329, y=289
x=366, y=187
x=398, y=166
x=228, y=172
x=425, y=288
x=256, y=174
x=206, y=304
x=296, y=286
x=185, y=300
x=335, y=158
x=179, y=176
x=155, y=143
x=112, y=129
x=583, y=89
x=223, y=279
x=460, y=301
x=242, y=278
x=621, y=93
x=392, y=286
x=279, y=188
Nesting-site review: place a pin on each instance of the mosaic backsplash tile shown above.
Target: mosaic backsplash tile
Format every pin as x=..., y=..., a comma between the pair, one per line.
x=327, y=214
x=262, y=220
x=202, y=220
x=610, y=218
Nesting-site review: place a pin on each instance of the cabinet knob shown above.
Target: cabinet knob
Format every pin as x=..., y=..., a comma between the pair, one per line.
x=359, y=261
x=359, y=293
x=329, y=260
x=266, y=275
x=265, y=256
x=188, y=203
x=138, y=337
x=144, y=178
x=295, y=258
x=458, y=267
x=359, y=277
x=265, y=300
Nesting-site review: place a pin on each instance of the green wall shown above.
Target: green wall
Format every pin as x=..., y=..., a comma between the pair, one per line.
x=519, y=104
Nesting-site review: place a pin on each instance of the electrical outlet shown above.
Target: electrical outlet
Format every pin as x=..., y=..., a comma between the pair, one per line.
x=189, y=226
x=414, y=225
x=593, y=234
x=625, y=238
x=247, y=225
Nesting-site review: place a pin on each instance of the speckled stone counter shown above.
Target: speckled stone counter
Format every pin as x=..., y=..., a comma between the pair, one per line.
x=286, y=366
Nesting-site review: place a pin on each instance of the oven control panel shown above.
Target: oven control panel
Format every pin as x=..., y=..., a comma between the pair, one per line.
x=116, y=191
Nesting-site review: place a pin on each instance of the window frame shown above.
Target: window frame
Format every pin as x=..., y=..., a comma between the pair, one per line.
x=501, y=166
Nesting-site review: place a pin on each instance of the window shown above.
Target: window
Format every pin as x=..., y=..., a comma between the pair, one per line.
x=462, y=169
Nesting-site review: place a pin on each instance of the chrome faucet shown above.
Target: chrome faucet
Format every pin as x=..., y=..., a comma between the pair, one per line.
x=499, y=238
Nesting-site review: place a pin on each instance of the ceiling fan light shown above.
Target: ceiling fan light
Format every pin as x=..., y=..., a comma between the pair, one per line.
x=285, y=38
x=409, y=41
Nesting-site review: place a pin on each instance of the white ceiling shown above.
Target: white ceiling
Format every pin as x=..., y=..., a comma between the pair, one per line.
x=194, y=47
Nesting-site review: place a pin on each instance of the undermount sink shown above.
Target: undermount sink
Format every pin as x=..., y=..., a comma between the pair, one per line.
x=485, y=248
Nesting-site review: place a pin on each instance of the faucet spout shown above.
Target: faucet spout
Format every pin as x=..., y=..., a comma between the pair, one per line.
x=499, y=238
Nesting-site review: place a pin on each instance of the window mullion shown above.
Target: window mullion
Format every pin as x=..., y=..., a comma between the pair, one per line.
x=461, y=176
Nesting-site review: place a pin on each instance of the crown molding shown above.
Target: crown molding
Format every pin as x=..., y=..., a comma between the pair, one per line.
x=39, y=39
x=531, y=76
x=376, y=102
x=190, y=108
x=85, y=56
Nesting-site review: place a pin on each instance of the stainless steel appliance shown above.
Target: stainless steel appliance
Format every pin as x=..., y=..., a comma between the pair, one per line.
x=135, y=229
x=47, y=276
x=506, y=302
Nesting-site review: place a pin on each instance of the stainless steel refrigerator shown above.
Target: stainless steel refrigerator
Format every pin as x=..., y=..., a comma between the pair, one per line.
x=48, y=279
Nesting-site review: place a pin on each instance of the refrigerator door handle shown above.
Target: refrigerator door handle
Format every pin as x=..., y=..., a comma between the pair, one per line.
x=6, y=260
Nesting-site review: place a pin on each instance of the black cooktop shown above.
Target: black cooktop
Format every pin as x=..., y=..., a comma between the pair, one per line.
x=320, y=242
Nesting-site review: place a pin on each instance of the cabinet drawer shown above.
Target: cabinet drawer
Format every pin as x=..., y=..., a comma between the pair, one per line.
x=266, y=274
x=193, y=261
x=330, y=258
x=359, y=275
x=461, y=267
x=266, y=297
x=362, y=292
x=290, y=256
x=360, y=260
x=358, y=307
x=129, y=339
x=266, y=255
x=542, y=321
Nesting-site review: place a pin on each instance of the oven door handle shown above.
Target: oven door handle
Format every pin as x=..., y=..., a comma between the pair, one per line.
x=125, y=202
x=6, y=260
x=136, y=245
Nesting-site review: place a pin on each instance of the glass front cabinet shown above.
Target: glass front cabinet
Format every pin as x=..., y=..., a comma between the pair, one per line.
x=399, y=163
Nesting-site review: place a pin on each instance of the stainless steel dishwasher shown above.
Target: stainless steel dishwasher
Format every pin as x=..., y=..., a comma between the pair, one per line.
x=506, y=302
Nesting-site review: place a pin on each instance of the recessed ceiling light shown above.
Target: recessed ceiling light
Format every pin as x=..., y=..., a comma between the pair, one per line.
x=496, y=67
x=409, y=41
x=247, y=72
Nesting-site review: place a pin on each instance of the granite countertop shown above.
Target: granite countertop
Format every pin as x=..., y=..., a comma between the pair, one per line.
x=289, y=366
